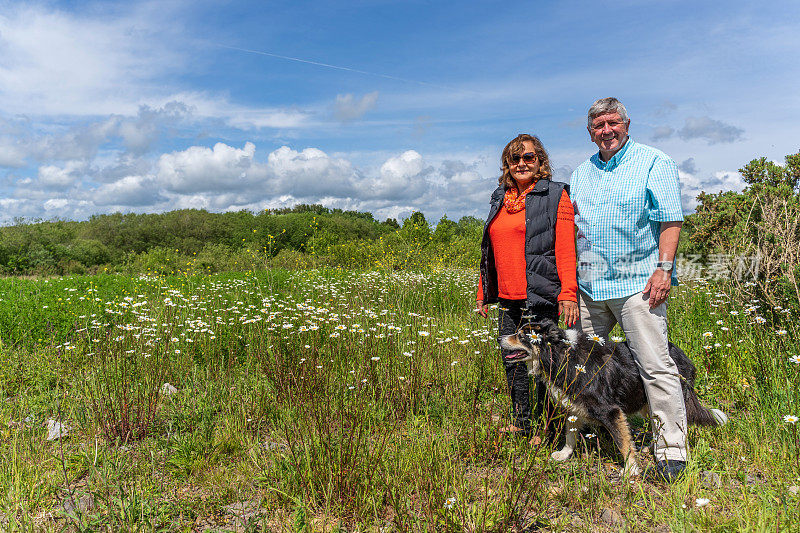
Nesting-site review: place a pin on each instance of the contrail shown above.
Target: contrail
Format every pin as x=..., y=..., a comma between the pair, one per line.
x=337, y=67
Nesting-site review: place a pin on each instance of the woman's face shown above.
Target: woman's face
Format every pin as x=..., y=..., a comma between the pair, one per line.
x=523, y=172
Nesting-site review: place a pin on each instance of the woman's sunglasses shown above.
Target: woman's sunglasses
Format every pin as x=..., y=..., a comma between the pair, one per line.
x=528, y=157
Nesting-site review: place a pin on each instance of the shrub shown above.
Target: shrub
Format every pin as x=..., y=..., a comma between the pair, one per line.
x=763, y=221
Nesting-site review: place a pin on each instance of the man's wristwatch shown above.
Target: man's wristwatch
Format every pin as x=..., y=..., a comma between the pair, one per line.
x=666, y=266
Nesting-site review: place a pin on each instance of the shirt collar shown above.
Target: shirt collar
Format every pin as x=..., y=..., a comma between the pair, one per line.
x=615, y=160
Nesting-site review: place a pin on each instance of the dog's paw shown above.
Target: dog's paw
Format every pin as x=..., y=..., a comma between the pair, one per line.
x=561, y=456
x=720, y=417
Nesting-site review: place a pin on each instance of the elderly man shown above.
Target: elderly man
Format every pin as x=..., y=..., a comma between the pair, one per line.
x=628, y=213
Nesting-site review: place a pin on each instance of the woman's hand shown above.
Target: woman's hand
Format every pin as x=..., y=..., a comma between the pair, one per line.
x=569, y=311
x=481, y=309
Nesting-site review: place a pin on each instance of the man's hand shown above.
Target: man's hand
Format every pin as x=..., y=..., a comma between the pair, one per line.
x=569, y=311
x=481, y=309
x=658, y=286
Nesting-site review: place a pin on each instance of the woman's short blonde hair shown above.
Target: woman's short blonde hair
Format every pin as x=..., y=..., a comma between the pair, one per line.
x=516, y=147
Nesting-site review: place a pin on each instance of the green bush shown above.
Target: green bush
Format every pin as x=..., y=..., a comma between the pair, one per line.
x=762, y=221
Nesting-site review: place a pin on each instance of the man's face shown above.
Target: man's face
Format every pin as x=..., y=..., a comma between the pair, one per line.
x=608, y=132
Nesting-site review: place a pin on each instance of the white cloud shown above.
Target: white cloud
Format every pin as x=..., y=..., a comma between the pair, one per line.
x=13, y=207
x=199, y=169
x=140, y=132
x=223, y=169
x=712, y=131
x=97, y=63
x=53, y=177
x=11, y=154
x=661, y=132
x=223, y=177
x=688, y=166
x=692, y=184
x=128, y=191
x=59, y=63
x=84, y=141
x=207, y=105
x=77, y=143
x=401, y=177
x=311, y=173
x=57, y=204
x=348, y=107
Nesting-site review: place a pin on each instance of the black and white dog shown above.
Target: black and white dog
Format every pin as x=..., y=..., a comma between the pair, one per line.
x=598, y=384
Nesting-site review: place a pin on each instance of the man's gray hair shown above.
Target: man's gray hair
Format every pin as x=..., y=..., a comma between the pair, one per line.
x=607, y=105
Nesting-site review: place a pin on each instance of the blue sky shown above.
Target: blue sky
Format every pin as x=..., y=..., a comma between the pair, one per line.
x=380, y=106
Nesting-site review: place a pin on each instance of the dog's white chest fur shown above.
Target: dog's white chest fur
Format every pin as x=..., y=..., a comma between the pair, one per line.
x=560, y=397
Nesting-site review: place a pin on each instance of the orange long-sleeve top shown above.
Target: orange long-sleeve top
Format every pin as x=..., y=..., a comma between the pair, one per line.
x=507, y=233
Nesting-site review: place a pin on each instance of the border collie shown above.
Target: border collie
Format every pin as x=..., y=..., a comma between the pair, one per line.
x=598, y=384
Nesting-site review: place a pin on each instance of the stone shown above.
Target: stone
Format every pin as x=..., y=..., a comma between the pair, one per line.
x=275, y=446
x=244, y=515
x=82, y=504
x=612, y=517
x=56, y=430
x=794, y=489
x=750, y=479
x=710, y=480
x=243, y=509
x=168, y=390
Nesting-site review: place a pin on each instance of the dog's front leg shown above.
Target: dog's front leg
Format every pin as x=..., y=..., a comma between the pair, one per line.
x=573, y=425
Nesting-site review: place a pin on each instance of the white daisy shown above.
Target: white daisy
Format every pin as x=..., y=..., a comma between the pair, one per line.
x=596, y=338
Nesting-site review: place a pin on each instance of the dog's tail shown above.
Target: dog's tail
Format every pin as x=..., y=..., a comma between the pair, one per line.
x=699, y=415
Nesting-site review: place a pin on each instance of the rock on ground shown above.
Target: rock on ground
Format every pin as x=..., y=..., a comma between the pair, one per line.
x=612, y=517
x=710, y=480
x=56, y=430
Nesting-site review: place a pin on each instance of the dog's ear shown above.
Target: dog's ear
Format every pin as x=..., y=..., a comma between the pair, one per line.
x=550, y=330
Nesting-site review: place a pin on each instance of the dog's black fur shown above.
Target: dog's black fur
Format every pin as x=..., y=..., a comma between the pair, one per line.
x=608, y=389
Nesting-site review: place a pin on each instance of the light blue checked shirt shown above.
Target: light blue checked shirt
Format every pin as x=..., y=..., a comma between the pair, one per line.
x=619, y=205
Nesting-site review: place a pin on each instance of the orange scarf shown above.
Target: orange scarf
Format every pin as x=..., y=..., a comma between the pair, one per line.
x=514, y=202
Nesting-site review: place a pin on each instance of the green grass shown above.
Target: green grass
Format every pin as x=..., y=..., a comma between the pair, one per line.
x=324, y=400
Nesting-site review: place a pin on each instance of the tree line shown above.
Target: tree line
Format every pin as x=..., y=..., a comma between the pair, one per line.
x=763, y=220
x=166, y=242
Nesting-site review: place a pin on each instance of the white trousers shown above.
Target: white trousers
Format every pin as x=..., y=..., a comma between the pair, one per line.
x=646, y=332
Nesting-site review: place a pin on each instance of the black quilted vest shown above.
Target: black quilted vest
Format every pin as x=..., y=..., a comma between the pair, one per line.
x=541, y=207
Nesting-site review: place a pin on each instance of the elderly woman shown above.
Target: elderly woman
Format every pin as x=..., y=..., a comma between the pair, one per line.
x=527, y=260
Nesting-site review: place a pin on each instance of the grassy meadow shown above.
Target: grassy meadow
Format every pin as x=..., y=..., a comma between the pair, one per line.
x=354, y=400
